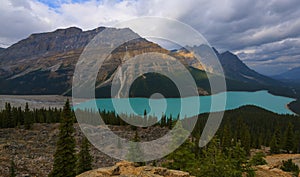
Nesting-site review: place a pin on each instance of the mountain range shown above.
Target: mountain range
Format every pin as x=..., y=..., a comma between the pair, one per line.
x=291, y=75
x=44, y=63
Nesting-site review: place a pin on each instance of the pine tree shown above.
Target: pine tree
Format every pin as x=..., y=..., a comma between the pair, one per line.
x=289, y=138
x=246, y=139
x=275, y=142
x=12, y=169
x=290, y=166
x=145, y=119
x=214, y=162
x=182, y=158
x=14, y=117
x=170, y=122
x=258, y=159
x=21, y=116
x=64, y=157
x=135, y=154
x=163, y=121
x=238, y=160
x=296, y=148
x=27, y=118
x=7, y=117
x=226, y=138
x=84, y=157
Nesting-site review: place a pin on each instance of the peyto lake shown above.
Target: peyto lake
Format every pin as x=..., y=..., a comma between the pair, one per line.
x=192, y=105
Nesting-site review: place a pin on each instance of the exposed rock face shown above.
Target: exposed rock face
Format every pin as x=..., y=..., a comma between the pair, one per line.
x=128, y=169
x=46, y=44
x=44, y=63
x=234, y=68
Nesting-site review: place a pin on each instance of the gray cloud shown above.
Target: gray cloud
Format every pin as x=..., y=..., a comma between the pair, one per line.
x=265, y=34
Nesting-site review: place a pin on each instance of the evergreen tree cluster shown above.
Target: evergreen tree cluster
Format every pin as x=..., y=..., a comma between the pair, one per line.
x=255, y=127
x=111, y=118
x=11, y=117
x=210, y=161
x=226, y=155
x=65, y=159
x=252, y=126
x=290, y=166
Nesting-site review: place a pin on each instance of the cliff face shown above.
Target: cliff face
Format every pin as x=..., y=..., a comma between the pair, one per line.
x=47, y=44
x=44, y=63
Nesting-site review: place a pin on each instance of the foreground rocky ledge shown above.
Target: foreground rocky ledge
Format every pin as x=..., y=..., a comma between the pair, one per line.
x=128, y=169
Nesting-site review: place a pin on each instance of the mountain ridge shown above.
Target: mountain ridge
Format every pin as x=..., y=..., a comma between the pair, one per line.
x=292, y=75
x=44, y=63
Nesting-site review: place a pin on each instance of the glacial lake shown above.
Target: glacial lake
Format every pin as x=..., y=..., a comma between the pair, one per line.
x=263, y=99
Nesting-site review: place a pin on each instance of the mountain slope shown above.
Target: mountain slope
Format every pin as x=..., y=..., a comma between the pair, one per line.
x=291, y=75
x=44, y=64
x=292, y=79
x=235, y=69
x=240, y=77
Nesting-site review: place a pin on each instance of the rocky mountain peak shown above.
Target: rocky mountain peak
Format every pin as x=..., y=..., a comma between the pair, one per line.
x=46, y=44
x=69, y=30
x=228, y=58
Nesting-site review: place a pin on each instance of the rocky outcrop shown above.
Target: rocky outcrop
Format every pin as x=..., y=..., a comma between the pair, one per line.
x=128, y=169
x=274, y=162
x=265, y=170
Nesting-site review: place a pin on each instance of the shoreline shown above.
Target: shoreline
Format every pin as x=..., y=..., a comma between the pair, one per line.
x=287, y=107
x=58, y=101
x=34, y=101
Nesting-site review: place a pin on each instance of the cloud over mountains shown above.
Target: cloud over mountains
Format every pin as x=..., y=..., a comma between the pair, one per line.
x=265, y=34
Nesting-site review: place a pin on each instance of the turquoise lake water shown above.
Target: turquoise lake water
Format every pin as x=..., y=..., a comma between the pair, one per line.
x=191, y=106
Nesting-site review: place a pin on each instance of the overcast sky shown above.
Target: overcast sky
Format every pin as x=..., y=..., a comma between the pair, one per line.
x=264, y=33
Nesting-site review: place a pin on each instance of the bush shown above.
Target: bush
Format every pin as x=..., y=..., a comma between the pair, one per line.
x=258, y=159
x=290, y=166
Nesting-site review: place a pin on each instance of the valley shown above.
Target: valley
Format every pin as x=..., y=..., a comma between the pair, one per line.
x=39, y=70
